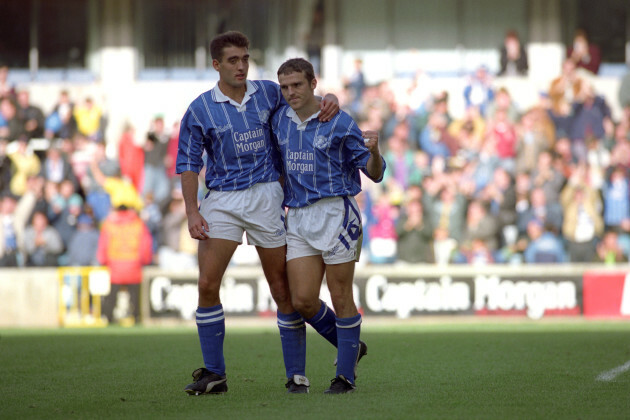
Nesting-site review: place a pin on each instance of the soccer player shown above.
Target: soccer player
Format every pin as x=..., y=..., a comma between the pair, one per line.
x=321, y=164
x=230, y=124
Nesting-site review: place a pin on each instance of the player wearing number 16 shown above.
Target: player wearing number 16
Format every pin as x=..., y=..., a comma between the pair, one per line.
x=321, y=165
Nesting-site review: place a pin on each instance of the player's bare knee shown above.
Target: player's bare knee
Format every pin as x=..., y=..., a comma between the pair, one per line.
x=306, y=306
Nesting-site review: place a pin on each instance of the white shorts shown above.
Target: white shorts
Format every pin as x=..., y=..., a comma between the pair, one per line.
x=257, y=211
x=331, y=228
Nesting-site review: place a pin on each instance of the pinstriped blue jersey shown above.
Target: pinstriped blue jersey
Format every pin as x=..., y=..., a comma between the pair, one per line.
x=319, y=159
x=235, y=137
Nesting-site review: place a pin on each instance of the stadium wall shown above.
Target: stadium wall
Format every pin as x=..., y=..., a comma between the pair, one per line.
x=31, y=297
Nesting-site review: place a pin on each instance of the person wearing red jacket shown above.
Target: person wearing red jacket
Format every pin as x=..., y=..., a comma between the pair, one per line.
x=124, y=246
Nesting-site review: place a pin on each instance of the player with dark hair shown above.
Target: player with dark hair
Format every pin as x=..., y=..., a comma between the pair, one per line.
x=321, y=164
x=230, y=124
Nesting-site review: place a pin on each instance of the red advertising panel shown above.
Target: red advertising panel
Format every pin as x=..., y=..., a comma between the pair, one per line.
x=606, y=294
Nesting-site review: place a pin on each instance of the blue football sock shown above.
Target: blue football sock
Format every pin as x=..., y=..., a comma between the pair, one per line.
x=324, y=323
x=348, y=333
x=293, y=338
x=211, y=330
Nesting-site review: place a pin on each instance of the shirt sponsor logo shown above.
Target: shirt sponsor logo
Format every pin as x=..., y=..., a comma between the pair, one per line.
x=249, y=142
x=300, y=162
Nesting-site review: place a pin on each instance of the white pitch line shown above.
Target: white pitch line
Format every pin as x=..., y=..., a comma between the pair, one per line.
x=611, y=374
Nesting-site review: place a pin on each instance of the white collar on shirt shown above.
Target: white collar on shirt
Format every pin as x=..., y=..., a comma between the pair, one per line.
x=301, y=125
x=220, y=97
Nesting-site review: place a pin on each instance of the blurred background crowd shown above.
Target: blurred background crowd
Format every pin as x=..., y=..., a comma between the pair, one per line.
x=495, y=184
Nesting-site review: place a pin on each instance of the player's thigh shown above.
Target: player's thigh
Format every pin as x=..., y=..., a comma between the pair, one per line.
x=339, y=278
x=214, y=257
x=305, y=278
x=273, y=261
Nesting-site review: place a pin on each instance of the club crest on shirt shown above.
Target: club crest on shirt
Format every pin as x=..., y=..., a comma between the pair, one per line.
x=321, y=142
x=263, y=116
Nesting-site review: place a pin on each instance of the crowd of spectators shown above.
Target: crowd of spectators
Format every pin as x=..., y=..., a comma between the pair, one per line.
x=497, y=184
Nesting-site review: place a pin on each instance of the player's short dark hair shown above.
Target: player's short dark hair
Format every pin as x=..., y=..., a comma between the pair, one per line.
x=227, y=39
x=297, y=65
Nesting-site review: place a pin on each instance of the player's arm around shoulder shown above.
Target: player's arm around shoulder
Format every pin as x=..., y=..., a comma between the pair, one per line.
x=376, y=164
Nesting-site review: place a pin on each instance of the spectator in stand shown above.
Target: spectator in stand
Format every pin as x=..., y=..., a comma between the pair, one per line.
x=500, y=194
x=480, y=166
x=171, y=152
x=57, y=168
x=124, y=246
x=480, y=238
x=6, y=88
x=89, y=119
x=9, y=231
x=95, y=195
x=620, y=146
x=33, y=116
x=590, y=115
x=131, y=157
x=546, y=177
x=437, y=104
x=545, y=246
x=61, y=122
x=513, y=57
x=83, y=153
x=561, y=95
x=156, y=181
x=415, y=235
x=399, y=159
x=33, y=199
x=478, y=91
x=469, y=131
x=503, y=134
x=121, y=191
x=617, y=201
x=383, y=231
x=609, y=250
x=584, y=53
x=42, y=243
x=435, y=139
x=530, y=142
x=356, y=86
x=71, y=204
x=11, y=125
x=25, y=163
x=151, y=215
x=583, y=224
x=597, y=160
x=547, y=212
x=5, y=167
x=177, y=249
x=83, y=244
x=448, y=209
x=563, y=161
x=503, y=102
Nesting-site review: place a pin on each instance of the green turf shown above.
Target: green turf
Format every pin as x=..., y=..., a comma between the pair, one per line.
x=513, y=370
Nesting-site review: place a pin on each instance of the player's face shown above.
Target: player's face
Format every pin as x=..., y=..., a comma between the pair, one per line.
x=233, y=66
x=297, y=91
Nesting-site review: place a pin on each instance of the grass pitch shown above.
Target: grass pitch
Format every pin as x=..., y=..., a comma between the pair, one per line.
x=439, y=370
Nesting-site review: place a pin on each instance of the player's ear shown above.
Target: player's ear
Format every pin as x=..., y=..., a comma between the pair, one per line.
x=215, y=64
x=313, y=84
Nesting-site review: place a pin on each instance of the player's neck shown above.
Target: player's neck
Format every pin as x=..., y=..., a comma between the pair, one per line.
x=235, y=93
x=308, y=110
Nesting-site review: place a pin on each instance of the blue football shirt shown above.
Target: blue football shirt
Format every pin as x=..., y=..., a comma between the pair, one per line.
x=236, y=138
x=319, y=159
